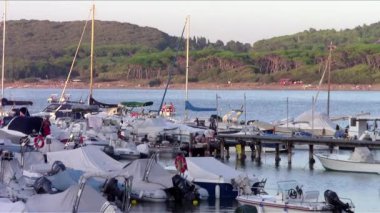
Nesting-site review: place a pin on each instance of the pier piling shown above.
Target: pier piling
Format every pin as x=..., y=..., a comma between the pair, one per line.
x=277, y=159
x=258, y=152
x=289, y=153
x=311, y=157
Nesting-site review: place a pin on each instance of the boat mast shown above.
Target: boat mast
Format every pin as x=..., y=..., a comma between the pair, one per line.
x=328, y=78
x=187, y=62
x=3, y=59
x=92, y=52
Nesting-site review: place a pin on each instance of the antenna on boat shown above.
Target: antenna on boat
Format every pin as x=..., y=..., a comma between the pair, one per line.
x=3, y=59
x=187, y=62
x=92, y=52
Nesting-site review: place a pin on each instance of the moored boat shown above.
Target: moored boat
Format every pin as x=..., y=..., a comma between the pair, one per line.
x=291, y=198
x=361, y=160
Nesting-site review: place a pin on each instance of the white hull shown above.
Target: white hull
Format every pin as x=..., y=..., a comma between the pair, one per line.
x=272, y=205
x=339, y=163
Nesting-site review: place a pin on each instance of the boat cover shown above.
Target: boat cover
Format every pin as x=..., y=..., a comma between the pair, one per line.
x=100, y=104
x=152, y=126
x=158, y=177
x=6, y=102
x=91, y=201
x=362, y=154
x=88, y=159
x=208, y=169
x=9, y=206
x=305, y=121
x=189, y=106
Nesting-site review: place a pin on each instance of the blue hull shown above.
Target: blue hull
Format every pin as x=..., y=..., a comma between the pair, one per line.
x=226, y=189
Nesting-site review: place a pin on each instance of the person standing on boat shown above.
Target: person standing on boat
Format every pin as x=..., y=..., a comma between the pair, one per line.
x=46, y=126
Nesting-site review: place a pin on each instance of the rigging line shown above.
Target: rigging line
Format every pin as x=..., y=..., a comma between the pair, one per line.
x=321, y=81
x=170, y=68
x=72, y=64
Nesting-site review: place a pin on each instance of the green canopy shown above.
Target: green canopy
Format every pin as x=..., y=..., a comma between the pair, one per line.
x=136, y=104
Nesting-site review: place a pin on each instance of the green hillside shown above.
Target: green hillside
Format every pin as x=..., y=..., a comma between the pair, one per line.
x=45, y=49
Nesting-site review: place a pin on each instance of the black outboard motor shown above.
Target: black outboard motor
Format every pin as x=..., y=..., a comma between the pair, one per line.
x=183, y=189
x=332, y=198
x=43, y=185
x=111, y=189
x=109, y=150
x=57, y=167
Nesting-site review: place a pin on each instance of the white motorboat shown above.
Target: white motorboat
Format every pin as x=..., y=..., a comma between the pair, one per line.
x=291, y=198
x=361, y=160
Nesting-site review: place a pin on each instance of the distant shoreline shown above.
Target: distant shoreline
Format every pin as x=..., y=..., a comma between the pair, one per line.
x=45, y=84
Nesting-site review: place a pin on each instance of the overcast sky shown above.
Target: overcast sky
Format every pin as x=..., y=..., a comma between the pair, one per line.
x=244, y=21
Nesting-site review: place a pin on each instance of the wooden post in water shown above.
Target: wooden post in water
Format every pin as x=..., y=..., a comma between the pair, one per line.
x=258, y=152
x=243, y=156
x=190, y=145
x=222, y=148
x=311, y=158
x=277, y=158
x=228, y=152
x=290, y=153
x=252, y=146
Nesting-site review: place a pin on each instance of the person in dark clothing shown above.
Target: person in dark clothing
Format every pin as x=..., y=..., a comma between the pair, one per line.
x=24, y=112
x=46, y=126
x=145, y=139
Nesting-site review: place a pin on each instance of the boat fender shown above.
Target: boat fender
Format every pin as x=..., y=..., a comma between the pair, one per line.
x=180, y=163
x=217, y=191
x=39, y=141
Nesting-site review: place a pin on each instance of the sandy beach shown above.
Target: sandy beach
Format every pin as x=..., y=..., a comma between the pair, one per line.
x=232, y=86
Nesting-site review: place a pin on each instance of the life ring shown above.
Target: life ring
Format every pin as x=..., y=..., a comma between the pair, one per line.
x=180, y=163
x=39, y=141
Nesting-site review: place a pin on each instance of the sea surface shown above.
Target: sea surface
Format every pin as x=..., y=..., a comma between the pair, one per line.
x=363, y=189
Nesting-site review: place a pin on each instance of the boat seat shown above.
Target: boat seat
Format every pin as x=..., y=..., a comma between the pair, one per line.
x=310, y=196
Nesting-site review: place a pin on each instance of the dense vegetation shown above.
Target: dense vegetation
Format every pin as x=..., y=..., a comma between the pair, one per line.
x=44, y=49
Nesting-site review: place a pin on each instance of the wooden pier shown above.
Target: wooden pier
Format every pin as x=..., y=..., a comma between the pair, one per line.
x=256, y=143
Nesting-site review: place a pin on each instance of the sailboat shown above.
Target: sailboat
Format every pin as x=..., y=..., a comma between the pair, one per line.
x=4, y=101
x=188, y=105
x=91, y=99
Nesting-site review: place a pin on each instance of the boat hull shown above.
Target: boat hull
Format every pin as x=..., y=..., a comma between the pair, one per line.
x=273, y=206
x=226, y=189
x=348, y=166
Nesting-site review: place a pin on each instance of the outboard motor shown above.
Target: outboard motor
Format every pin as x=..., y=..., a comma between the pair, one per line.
x=183, y=189
x=43, y=185
x=109, y=150
x=332, y=198
x=111, y=189
x=57, y=167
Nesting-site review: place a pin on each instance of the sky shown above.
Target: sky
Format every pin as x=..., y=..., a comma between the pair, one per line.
x=243, y=21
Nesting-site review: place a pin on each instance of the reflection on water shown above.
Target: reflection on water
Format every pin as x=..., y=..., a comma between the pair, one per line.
x=211, y=205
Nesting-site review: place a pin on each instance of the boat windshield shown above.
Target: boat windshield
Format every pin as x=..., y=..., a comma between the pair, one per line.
x=284, y=186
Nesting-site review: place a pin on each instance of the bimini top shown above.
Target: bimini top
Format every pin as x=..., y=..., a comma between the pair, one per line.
x=26, y=125
x=208, y=169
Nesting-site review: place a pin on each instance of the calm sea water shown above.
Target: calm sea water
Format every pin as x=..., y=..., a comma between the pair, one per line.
x=363, y=189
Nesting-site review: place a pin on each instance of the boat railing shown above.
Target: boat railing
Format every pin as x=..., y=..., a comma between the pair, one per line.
x=148, y=167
